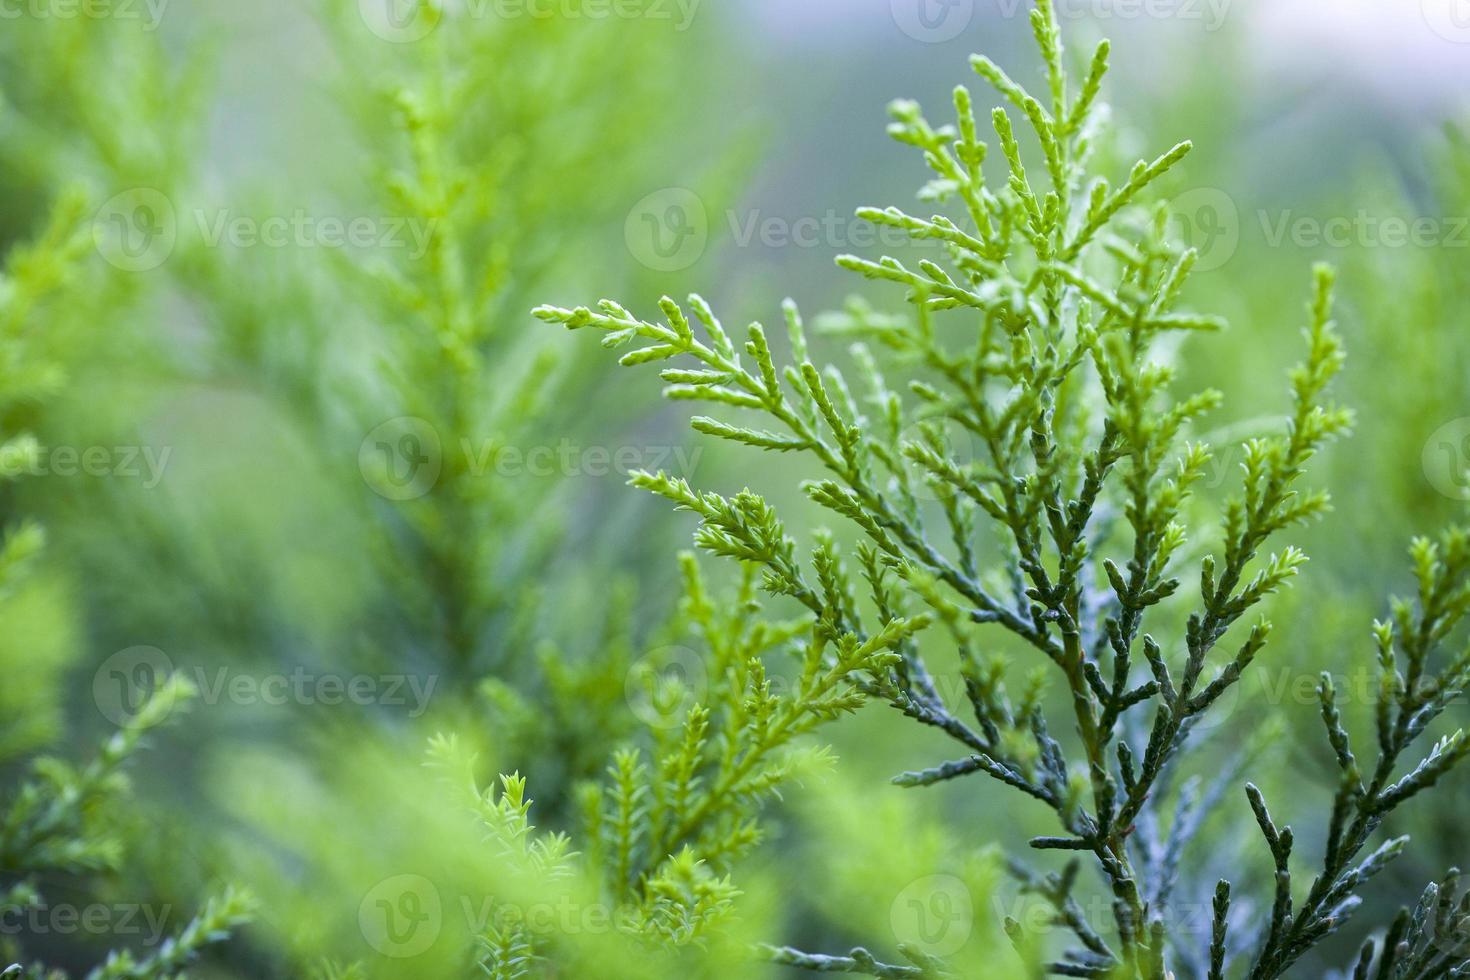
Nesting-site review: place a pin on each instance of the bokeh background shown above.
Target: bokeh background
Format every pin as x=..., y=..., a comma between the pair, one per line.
x=233, y=521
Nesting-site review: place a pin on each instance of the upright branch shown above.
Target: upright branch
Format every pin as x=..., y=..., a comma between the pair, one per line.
x=1037, y=479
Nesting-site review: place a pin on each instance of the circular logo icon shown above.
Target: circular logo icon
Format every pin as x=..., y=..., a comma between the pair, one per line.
x=1450, y=19
x=667, y=230
x=401, y=459
x=934, y=914
x=663, y=684
x=1206, y=220
x=136, y=230
x=950, y=440
x=1446, y=459
x=400, y=21
x=125, y=681
x=401, y=916
x=933, y=21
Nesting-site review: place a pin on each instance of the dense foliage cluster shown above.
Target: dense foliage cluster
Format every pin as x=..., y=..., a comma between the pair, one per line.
x=632, y=755
x=1043, y=345
x=54, y=819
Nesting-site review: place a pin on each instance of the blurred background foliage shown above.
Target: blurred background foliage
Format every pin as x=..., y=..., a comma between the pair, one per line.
x=241, y=520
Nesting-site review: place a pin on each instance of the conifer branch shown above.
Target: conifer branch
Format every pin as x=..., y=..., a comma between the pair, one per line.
x=1035, y=338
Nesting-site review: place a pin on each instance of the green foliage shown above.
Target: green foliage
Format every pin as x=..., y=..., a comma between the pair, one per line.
x=475, y=139
x=1047, y=344
x=1024, y=504
x=1427, y=942
x=678, y=806
x=480, y=152
x=322, y=346
x=54, y=823
x=663, y=830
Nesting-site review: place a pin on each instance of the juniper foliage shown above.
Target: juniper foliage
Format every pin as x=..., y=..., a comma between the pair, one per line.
x=466, y=111
x=443, y=129
x=54, y=824
x=334, y=342
x=1045, y=342
x=680, y=803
